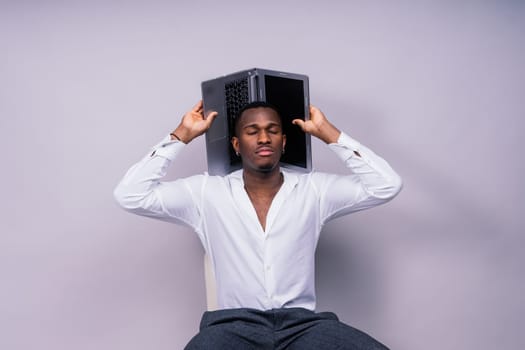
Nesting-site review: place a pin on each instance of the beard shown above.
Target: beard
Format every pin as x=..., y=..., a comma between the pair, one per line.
x=266, y=168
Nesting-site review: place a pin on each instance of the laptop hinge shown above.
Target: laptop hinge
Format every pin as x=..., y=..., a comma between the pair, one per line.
x=253, y=87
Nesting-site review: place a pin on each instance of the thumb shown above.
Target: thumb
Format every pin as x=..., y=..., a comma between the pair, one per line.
x=211, y=117
x=299, y=123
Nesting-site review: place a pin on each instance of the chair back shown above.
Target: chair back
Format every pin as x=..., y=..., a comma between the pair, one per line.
x=211, y=287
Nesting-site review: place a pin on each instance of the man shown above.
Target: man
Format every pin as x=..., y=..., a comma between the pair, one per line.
x=260, y=226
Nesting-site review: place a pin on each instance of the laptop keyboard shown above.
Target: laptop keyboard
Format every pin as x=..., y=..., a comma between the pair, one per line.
x=237, y=97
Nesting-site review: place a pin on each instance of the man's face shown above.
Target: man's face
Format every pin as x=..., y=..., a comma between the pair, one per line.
x=260, y=140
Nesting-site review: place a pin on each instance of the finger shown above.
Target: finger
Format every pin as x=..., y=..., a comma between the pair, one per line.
x=314, y=109
x=316, y=114
x=198, y=106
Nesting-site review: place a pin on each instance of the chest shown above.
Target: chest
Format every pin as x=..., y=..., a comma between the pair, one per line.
x=230, y=212
x=261, y=203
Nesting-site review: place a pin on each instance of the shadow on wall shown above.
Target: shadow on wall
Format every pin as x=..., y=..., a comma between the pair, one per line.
x=349, y=274
x=349, y=269
x=441, y=188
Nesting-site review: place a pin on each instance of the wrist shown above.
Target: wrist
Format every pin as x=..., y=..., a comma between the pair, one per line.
x=175, y=137
x=181, y=134
x=329, y=133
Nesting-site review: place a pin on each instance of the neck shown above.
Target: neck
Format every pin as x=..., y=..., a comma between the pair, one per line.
x=262, y=181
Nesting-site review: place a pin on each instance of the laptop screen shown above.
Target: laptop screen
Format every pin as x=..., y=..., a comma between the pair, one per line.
x=288, y=96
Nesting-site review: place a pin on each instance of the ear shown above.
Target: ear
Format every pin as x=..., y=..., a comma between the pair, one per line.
x=235, y=143
x=284, y=141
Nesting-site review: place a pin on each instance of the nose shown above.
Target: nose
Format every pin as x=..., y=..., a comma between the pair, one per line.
x=264, y=137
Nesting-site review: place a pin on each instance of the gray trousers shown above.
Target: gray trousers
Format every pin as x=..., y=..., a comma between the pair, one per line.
x=294, y=328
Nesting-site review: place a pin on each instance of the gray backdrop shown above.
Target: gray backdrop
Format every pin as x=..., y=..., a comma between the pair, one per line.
x=437, y=88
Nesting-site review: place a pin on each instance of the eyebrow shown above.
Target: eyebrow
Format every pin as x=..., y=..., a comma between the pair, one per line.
x=257, y=126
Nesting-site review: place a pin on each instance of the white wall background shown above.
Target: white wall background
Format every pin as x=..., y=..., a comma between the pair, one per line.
x=436, y=87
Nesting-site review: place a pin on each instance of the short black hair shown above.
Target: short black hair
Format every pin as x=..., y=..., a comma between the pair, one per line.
x=251, y=105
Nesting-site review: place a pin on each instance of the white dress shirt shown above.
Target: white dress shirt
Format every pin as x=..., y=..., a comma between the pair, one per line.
x=256, y=268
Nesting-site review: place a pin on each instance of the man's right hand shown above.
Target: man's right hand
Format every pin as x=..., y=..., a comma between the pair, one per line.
x=193, y=124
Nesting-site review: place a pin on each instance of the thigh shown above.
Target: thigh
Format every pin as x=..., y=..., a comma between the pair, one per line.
x=241, y=329
x=219, y=337
x=334, y=335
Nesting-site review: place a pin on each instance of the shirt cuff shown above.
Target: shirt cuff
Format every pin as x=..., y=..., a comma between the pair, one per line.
x=167, y=148
x=345, y=143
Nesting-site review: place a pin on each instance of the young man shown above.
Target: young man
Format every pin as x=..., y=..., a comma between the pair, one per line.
x=260, y=226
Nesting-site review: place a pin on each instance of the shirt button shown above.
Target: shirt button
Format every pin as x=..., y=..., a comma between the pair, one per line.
x=268, y=267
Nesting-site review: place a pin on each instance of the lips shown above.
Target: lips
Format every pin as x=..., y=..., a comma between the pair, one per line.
x=264, y=151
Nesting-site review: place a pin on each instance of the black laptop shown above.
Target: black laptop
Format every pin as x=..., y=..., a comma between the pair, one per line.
x=228, y=94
